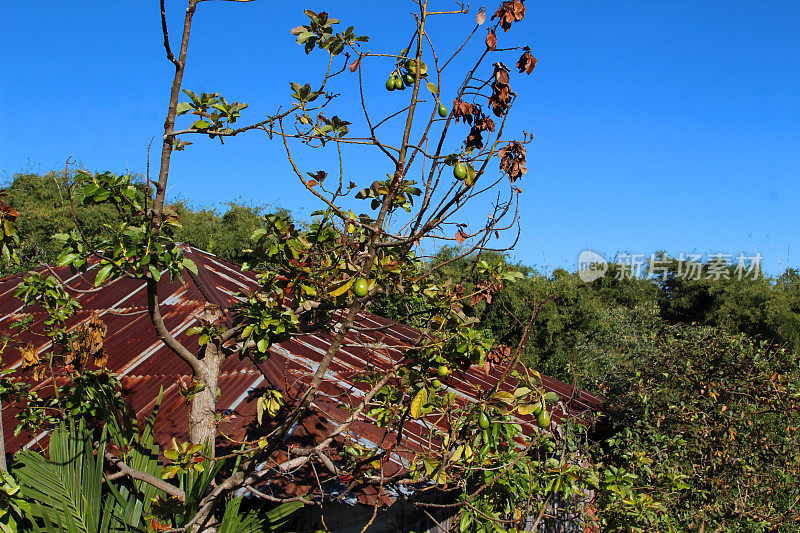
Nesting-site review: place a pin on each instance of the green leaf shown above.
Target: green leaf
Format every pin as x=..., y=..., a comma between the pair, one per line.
x=281, y=514
x=189, y=265
x=341, y=289
x=551, y=396
x=66, y=259
x=102, y=274
x=193, y=96
x=67, y=488
x=182, y=108
x=263, y=345
x=261, y=405
x=154, y=272
x=522, y=391
x=504, y=397
x=465, y=522
x=432, y=88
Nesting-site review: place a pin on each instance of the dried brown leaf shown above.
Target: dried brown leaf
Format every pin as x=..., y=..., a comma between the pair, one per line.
x=526, y=62
x=354, y=65
x=30, y=356
x=491, y=40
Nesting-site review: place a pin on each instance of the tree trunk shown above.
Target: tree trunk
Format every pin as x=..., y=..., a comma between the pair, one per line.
x=202, y=426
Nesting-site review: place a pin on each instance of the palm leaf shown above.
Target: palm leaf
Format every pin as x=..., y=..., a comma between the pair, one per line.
x=233, y=522
x=278, y=517
x=66, y=489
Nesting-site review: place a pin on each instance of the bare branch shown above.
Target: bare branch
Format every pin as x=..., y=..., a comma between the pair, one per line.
x=163, y=333
x=170, y=56
x=150, y=479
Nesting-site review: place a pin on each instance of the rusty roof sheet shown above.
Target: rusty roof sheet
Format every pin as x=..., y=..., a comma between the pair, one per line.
x=146, y=366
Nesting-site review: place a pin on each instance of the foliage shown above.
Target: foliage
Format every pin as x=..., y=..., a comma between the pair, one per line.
x=702, y=417
x=44, y=201
x=9, y=239
x=15, y=510
x=746, y=302
x=89, y=394
x=707, y=428
x=66, y=489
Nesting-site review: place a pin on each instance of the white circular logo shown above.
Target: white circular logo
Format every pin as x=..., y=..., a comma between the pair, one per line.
x=591, y=266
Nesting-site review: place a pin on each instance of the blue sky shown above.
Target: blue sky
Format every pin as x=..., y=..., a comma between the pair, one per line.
x=658, y=125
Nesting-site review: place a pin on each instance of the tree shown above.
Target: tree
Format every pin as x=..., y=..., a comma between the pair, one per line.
x=340, y=262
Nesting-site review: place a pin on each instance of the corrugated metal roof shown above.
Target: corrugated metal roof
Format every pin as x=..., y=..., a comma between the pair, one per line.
x=146, y=366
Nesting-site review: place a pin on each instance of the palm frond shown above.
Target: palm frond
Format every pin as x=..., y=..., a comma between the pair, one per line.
x=66, y=489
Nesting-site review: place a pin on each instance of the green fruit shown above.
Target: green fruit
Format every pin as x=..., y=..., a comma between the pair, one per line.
x=543, y=420
x=360, y=287
x=442, y=371
x=409, y=79
x=436, y=384
x=390, y=84
x=398, y=83
x=460, y=171
x=442, y=111
x=483, y=421
x=538, y=408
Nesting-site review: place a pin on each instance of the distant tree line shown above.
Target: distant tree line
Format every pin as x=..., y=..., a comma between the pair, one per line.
x=45, y=209
x=575, y=320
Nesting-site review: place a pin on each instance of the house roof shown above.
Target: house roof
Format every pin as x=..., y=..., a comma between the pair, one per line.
x=145, y=366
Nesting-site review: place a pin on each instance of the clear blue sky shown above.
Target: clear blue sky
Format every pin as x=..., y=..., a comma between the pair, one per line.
x=659, y=124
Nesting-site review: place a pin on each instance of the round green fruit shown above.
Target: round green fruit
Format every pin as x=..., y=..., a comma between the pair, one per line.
x=460, y=171
x=483, y=421
x=538, y=408
x=390, y=84
x=360, y=287
x=442, y=371
x=442, y=111
x=436, y=384
x=409, y=79
x=398, y=83
x=543, y=419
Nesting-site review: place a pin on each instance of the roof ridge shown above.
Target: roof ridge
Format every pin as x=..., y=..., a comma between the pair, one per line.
x=194, y=249
x=201, y=279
